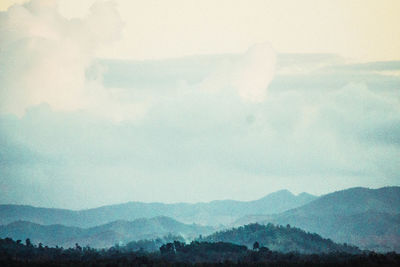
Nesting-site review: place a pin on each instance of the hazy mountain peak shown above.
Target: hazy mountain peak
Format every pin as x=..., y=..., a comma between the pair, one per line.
x=358, y=199
x=284, y=193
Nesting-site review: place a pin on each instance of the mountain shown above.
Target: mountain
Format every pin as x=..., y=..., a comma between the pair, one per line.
x=212, y=213
x=279, y=238
x=354, y=201
x=368, y=218
x=104, y=235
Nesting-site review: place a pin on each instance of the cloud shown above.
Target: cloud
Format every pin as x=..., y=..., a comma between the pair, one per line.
x=249, y=75
x=44, y=56
x=194, y=144
x=212, y=127
x=48, y=58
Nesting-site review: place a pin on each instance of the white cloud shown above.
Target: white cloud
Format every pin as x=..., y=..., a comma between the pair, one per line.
x=254, y=73
x=44, y=56
x=248, y=75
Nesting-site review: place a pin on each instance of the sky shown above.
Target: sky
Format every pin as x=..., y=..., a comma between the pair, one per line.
x=104, y=102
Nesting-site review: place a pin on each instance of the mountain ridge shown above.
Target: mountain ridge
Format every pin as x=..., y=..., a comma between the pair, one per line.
x=279, y=238
x=206, y=213
x=368, y=218
x=102, y=236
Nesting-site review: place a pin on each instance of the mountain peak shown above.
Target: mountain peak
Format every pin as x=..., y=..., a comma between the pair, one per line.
x=283, y=191
x=279, y=193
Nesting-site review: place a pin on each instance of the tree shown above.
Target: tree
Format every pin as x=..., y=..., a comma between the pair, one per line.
x=77, y=247
x=256, y=245
x=28, y=242
x=178, y=245
x=167, y=248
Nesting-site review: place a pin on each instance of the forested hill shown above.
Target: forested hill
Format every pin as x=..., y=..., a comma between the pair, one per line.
x=279, y=238
x=368, y=218
x=102, y=236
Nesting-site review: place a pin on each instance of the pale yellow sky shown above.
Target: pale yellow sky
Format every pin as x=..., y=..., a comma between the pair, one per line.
x=357, y=29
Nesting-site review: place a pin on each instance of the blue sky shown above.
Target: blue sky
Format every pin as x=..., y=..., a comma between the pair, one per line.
x=79, y=130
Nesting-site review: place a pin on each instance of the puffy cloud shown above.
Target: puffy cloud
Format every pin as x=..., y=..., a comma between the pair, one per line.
x=44, y=56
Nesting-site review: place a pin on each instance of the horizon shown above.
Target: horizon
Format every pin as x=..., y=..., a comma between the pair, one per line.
x=201, y=202
x=106, y=102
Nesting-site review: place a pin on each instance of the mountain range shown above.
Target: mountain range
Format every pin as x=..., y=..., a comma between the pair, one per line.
x=213, y=213
x=145, y=234
x=102, y=236
x=368, y=218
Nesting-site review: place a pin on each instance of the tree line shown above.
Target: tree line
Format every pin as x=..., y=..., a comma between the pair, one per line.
x=18, y=253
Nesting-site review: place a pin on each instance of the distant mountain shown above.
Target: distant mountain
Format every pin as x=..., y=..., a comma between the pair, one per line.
x=279, y=238
x=104, y=235
x=212, y=213
x=354, y=201
x=368, y=218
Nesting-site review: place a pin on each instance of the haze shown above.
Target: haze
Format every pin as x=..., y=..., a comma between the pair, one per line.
x=108, y=102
